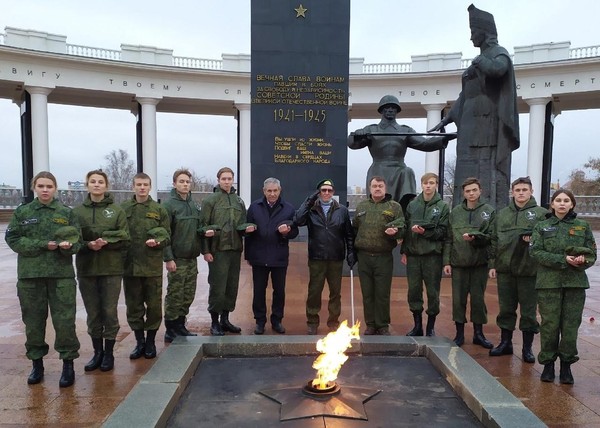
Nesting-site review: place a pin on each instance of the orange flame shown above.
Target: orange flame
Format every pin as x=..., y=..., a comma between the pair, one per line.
x=332, y=348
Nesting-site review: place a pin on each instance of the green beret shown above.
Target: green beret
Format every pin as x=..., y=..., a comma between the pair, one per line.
x=580, y=251
x=112, y=236
x=158, y=233
x=67, y=233
x=215, y=227
x=242, y=227
x=325, y=182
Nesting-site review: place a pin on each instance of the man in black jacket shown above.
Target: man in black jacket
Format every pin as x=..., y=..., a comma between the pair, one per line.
x=267, y=251
x=330, y=238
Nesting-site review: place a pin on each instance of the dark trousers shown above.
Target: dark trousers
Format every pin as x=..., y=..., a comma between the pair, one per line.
x=260, y=278
x=469, y=281
x=514, y=291
x=100, y=296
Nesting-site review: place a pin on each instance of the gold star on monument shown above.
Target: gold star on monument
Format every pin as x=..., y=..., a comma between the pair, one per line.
x=300, y=11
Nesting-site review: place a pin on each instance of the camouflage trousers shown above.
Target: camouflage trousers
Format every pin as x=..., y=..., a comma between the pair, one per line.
x=181, y=289
x=36, y=295
x=469, y=281
x=143, y=297
x=516, y=291
x=426, y=270
x=320, y=270
x=223, y=280
x=561, y=310
x=375, y=272
x=100, y=296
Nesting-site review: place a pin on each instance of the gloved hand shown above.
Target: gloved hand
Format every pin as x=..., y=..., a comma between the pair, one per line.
x=351, y=259
x=312, y=199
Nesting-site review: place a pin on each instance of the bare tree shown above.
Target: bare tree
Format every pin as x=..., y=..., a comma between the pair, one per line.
x=119, y=169
x=449, y=168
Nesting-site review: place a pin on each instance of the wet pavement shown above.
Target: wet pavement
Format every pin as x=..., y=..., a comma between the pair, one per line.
x=96, y=395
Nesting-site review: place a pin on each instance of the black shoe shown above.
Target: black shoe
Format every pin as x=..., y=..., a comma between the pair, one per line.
x=370, y=331
x=429, y=331
x=278, y=327
x=548, y=373
x=171, y=331
x=384, y=331
x=565, y=376
x=459, y=339
x=96, y=360
x=215, y=329
x=181, y=328
x=479, y=338
x=528, y=356
x=505, y=346
x=140, y=345
x=259, y=329
x=108, y=361
x=312, y=329
x=67, y=378
x=417, y=330
x=227, y=326
x=150, y=351
x=37, y=372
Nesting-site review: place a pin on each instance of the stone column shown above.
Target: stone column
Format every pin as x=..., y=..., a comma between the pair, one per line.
x=149, y=143
x=535, y=151
x=244, y=174
x=39, y=128
x=434, y=115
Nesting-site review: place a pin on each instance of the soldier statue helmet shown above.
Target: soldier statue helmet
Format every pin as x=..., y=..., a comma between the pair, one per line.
x=389, y=100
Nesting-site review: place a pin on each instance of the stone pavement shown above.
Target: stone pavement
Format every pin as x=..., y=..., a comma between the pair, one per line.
x=96, y=395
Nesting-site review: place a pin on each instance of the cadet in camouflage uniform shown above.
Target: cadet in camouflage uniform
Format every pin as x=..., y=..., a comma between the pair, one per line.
x=378, y=223
x=181, y=256
x=465, y=257
x=514, y=268
x=222, y=221
x=427, y=225
x=100, y=266
x=564, y=247
x=150, y=233
x=45, y=235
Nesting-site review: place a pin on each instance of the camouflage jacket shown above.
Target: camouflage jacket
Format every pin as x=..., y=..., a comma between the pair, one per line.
x=509, y=253
x=433, y=217
x=95, y=218
x=549, y=244
x=227, y=211
x=31, y=228
x=370, y=222
x=184, y=216
x=478, y=221
x=142, y=260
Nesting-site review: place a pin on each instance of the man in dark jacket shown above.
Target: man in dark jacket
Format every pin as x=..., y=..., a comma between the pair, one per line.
x=515, y=269
x=267, y=251
x=330, y=238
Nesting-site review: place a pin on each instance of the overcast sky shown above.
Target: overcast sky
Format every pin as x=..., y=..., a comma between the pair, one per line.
x=381, y=31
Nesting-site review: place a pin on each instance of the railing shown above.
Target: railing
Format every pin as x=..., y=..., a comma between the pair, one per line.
x=1, y=38
x=12, y=198
x=586, y=52
x=91, y=52
x=206, y=64
x=399, y=67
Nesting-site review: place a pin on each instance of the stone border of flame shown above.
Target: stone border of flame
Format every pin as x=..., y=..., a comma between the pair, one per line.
x=152, y=401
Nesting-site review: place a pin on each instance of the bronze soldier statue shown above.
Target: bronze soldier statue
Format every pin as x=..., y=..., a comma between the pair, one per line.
x=485, y=115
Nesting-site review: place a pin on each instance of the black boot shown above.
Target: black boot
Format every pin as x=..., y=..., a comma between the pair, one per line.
x=215, y=326
x=459, y=339
x=96, y=360
x=548, y=373
x=429, y=330
x=67, y=378
x=565, y=375
x=226, y=325
x=417, y=330
x=171, y=330
x=140, y=345
x=528, y=356
x=37, y=372
x=150, y=351
x=479, y=338
x=181, y=328
x=505, y=346
x=108, y=362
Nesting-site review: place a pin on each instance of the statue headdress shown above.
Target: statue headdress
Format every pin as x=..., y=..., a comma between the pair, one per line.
x=482, y=20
